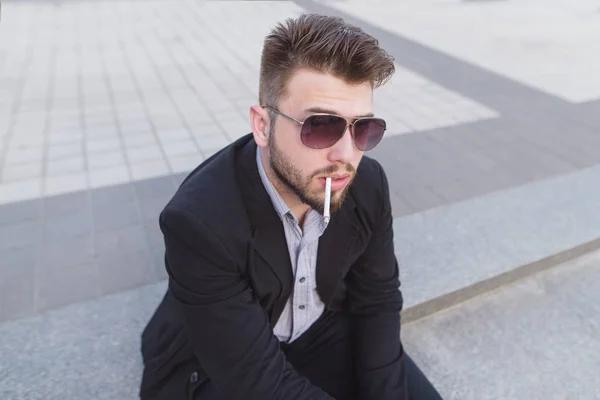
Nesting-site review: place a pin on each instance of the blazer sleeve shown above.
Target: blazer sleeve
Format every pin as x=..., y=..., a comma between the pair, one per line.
x=375, y=302
x=228, y=330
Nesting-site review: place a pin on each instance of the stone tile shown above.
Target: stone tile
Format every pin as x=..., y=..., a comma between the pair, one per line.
x=453, y=190
x=17, y=285
x=185, y=163
x=155, y=187
x=68, y=183
x=203, y=130
x=182, y=147
x=133, y=140
x=516, y=337
x=494, y=179
x=420, y=197
x=121, y=240
x=113, y=216
x=33, y=105
x=20, y=211
x=66, y=203
x=63, y=227
x=57, y=151
x=145, y=153
x=67, y=253
x=112, y=195
x=19, y=235
x=102, y=144
x=16, y=260
x=71, y=285
x=15, y=172
x=141, y=127
x=65, y=138
x=150, y=169
x=198, y=119
x=101, y=136
x=236, y=128
x=98, y=161
x=208, y=143
x=20, y=156
x=121, y=271
x=173, y=135
x=20, y=190
x=109, y=176
x=64, y=166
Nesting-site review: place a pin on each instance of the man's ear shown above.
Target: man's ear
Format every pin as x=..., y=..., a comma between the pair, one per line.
x=259, y=121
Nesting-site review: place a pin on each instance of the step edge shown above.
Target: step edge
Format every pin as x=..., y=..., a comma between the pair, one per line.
x=448, y=300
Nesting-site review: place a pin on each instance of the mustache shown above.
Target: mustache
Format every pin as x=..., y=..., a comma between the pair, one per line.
x=333, y=169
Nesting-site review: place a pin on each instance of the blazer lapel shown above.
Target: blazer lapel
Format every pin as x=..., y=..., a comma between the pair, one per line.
x=335, y=247
x=268, y=233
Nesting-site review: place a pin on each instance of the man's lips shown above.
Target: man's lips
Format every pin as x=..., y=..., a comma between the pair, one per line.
x=338, y=181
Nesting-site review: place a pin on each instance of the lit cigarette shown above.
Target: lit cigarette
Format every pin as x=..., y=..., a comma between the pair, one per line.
x=327, y=199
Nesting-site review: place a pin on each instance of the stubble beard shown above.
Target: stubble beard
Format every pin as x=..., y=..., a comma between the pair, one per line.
x=292, y=178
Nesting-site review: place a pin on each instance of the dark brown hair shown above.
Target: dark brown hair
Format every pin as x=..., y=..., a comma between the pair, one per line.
x=324, y=44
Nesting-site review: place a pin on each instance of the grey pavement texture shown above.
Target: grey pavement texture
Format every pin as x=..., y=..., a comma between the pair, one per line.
x=98, y=127
x=454, y=246
x=537, y=339
x=68, y=248
x=88, y=350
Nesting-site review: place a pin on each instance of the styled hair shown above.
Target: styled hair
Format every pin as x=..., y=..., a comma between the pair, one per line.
x=324, y=44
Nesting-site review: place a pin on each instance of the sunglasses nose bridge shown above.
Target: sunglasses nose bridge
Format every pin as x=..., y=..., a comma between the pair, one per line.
x=349, y=127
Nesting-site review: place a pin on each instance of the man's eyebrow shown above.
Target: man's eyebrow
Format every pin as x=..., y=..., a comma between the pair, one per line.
x=321, y=110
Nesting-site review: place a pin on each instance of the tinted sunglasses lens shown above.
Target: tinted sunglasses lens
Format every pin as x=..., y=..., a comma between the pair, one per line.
x=368, y=132
x=322, y=131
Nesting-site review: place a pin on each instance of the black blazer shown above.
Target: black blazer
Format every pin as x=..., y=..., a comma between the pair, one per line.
x=230, y=276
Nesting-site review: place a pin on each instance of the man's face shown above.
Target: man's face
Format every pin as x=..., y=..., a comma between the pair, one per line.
x=302, y=169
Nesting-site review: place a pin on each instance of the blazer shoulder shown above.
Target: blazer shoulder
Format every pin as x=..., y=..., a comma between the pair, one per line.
x=211, y=194
x=370, y=187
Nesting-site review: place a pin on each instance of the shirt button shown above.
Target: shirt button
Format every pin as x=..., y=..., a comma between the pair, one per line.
x=302, y=307
x=302, y=280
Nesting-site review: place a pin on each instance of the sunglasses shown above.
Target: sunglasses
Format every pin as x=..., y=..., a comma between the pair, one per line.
x=320, y=131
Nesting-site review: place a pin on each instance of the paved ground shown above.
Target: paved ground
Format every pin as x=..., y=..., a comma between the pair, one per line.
x=537, y=339
x=105, y=105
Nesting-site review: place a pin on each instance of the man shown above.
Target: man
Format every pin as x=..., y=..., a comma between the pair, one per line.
x=267, y=299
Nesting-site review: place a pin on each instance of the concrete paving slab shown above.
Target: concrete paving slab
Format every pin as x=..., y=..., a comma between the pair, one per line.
x=550, y=39
x=537, y=339
x=451, y=247
x=88, y=350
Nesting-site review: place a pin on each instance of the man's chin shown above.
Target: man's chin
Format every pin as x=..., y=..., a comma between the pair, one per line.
x=337, y=200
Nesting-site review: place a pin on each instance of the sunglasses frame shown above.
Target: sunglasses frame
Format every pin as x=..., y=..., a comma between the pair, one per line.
x=348, y=125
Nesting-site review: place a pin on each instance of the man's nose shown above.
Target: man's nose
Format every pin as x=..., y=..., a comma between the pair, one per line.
x=344, y=149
